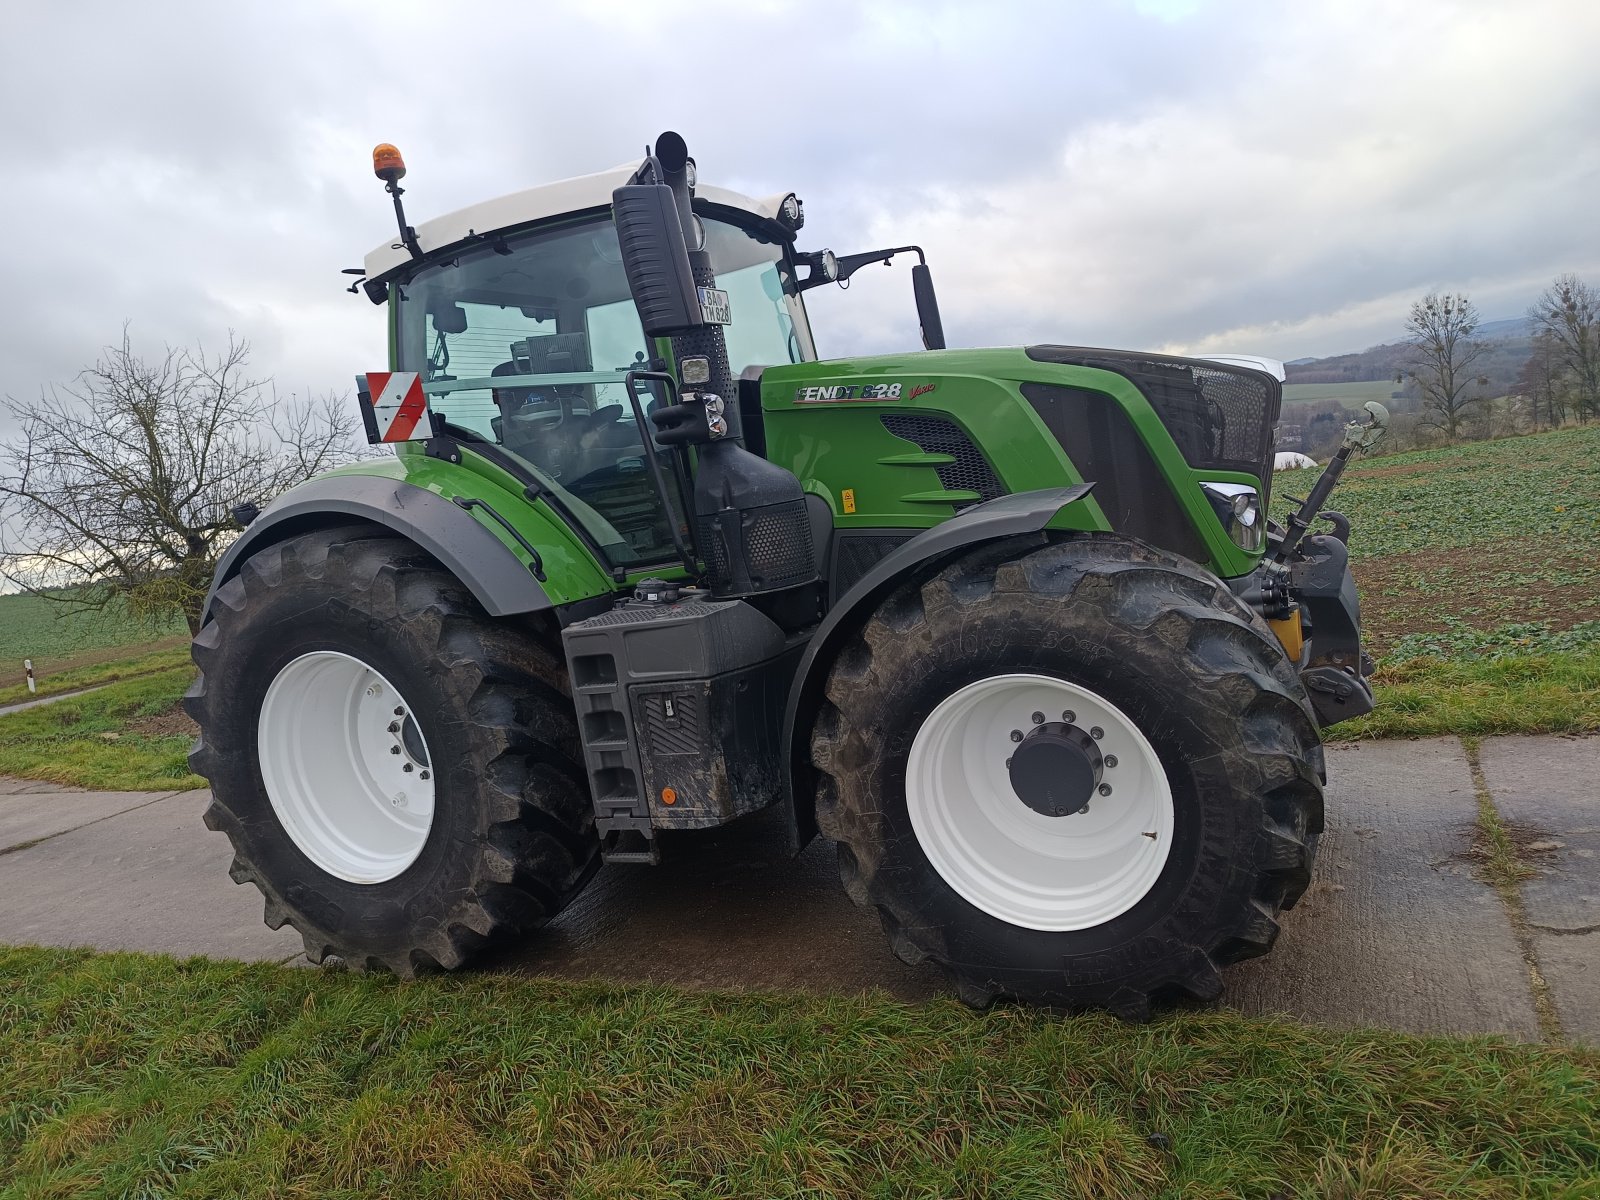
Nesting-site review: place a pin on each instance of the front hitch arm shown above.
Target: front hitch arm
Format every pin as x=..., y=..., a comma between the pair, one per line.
x=1359, y=437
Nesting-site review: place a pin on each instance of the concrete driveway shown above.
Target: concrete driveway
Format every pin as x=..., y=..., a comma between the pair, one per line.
x=1397, y=930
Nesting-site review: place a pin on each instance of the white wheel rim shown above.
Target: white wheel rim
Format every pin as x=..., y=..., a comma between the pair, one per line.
x=1026, y=868
x=351, y=786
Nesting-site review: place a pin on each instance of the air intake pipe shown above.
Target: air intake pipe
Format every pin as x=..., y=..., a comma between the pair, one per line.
x=750, y=522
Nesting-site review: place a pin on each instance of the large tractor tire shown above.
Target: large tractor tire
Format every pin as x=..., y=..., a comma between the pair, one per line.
x=1078, y=773
x=398, y=774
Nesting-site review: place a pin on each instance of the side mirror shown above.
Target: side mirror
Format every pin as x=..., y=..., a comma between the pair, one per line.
x=449, y=317
x=655, y=258
x=927, y=307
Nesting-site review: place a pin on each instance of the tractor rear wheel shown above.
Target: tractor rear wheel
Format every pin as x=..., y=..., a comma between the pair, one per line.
x=1079, y=772
x=398, y=774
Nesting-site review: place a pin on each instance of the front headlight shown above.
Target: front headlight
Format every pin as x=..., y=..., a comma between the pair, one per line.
x=1238, y=507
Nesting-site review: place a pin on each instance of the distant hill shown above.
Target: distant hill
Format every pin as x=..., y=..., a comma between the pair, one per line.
x=1320, y=394
x=1509, y=343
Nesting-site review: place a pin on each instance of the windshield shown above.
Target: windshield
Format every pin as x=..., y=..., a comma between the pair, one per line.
x=524, y=341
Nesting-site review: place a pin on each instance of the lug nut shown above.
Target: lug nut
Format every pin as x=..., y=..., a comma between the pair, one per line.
x=394, y=749
x=1008, y=764
x=1038, y=718
x=1111, y=760
x=407, y=768
x=1069, y=716
x=1016, y=735
x=374, y=690
x=399, y=712
x=425, y=775
x=1105, y=789
x=1097, y=733
x=394, y=726
x=399, y=800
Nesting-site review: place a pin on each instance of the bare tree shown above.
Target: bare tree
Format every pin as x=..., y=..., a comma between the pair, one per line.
x=1542, y=382
x=1568, y=314
x=121, y=485
x=1439, y=331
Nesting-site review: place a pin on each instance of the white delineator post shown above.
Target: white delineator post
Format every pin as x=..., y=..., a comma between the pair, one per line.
x=28, y=665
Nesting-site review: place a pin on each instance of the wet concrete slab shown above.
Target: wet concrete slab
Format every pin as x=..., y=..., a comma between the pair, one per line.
x=1395, y=931
x=151, y=878
x=28, y=816
x=1547, y=790
x=729, y=910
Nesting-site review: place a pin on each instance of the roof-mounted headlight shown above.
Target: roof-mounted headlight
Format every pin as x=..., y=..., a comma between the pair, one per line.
x=1238, y=507
x=791, y=213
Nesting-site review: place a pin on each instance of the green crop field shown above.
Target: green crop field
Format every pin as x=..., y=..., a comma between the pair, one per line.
x=1351, y=395
x=56, y=637
x=1471, y=540
x=1479, y=570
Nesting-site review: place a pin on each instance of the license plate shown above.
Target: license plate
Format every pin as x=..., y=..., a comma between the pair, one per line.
x=714, y=306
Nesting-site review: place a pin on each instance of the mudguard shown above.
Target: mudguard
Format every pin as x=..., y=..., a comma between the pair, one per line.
x=500, y=581
x=1003, y=517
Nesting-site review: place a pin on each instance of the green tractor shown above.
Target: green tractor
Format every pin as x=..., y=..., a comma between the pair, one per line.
x=1009, y=626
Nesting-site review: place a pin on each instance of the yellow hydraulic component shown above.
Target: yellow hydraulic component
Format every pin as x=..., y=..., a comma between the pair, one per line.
x=1290, y=633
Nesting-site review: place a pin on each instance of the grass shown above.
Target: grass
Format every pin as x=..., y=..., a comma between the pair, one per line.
x=1425, y=697
x=98, y=673
x=127, y=1075
x=1479, y=569
x=94, y=740
x=1541, y=491
x=53, y=634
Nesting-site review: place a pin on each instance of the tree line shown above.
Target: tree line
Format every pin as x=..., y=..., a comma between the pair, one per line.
x=1559, y=382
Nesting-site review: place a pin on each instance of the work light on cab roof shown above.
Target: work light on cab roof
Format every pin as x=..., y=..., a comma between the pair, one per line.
x=1011, y=626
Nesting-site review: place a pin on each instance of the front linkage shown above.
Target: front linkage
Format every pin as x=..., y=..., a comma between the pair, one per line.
x=1306, y=591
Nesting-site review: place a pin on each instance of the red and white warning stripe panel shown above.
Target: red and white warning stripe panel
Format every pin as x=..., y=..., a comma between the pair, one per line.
x=393, y=407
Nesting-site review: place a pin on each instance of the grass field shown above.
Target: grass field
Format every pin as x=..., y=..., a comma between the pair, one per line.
x=1351, y=395
x=1479, y=571
x=1474, y=536
x=58, y=638
x=125, y=737
x=126, y=1075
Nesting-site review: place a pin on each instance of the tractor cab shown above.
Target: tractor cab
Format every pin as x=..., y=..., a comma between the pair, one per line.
x=524, y=336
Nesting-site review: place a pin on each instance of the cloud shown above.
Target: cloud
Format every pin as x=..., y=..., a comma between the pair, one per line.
x=1277, y=178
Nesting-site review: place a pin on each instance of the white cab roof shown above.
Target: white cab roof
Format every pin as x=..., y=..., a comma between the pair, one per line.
x=1254, y=361
x=537, y=204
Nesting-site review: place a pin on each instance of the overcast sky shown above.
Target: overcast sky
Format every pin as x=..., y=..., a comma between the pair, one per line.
x=1279, y=178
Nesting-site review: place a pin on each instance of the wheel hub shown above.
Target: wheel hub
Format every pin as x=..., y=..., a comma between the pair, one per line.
x=1056, y=768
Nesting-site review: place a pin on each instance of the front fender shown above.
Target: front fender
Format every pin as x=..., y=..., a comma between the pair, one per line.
x=1006, y=516
x=496, y=576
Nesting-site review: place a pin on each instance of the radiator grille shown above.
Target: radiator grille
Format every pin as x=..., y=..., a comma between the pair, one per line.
x=1222, y=418
x=970, y=472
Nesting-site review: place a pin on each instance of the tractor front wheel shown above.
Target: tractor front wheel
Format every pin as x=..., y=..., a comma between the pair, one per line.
x=1077, y=773
x=398, y=774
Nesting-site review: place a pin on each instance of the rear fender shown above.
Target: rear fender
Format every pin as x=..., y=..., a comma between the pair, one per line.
x=1006, y=516
x=500, y=580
